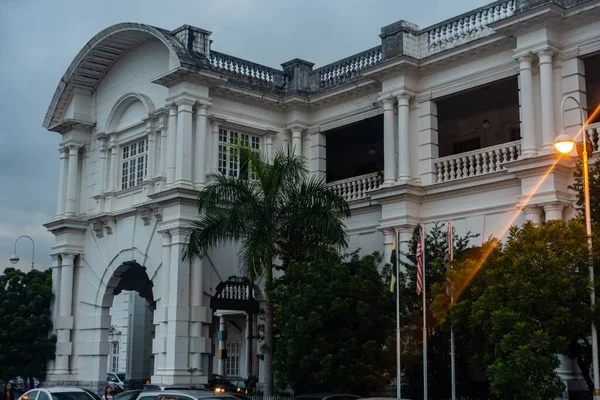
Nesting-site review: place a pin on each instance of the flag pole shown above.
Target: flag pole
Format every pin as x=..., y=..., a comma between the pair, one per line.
x=450, y=245
x=398, y=353
x=422, y=239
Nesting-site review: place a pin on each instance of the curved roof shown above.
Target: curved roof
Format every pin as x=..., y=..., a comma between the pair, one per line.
x=100, y=54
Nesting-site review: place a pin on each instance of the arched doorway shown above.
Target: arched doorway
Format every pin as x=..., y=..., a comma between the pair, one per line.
x=130, y=359
x=236, y=305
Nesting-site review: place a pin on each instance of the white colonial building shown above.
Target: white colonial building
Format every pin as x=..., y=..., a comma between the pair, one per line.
x=455, y=120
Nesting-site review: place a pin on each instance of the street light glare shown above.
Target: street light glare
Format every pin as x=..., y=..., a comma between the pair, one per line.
x=564, y=143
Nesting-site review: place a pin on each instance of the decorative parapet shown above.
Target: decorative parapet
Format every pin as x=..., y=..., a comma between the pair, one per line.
x=247, y=72
x=357, y=187
x=346, y=70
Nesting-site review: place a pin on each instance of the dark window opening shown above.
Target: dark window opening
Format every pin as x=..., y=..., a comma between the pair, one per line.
x=592, y=85
x=355, y=149
x=481, y=117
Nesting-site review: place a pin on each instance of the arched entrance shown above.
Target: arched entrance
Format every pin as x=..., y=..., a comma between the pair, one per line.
x=236, y=306
x=132, y=330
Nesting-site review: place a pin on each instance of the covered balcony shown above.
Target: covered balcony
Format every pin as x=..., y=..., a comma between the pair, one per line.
x=478, y=130
x=355, y=158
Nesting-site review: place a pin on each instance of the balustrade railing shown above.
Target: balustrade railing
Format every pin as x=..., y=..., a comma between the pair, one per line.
x=593, y=131
x=469, y=26
x=347, y=69
x=357, y=187
x=477, y=162
x=240, y=69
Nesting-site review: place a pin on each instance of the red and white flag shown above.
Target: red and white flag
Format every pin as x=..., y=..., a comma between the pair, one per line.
x=420, y=260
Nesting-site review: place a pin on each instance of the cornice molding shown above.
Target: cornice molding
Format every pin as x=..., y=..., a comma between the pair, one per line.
x=71, y=124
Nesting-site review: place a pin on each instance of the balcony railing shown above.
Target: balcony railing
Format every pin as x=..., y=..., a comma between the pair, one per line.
x=477, y=162
x=357, y=187
x=593, y=131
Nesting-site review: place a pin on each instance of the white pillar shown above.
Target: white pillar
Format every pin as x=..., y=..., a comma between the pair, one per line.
x=428, y=141
x=56, y=268
x=195, y=333
x=403, y=137
x=221, y=365
x=62, y=180
x=405, y=234
x=554, y=211
x=178, y=313
x=65, y=319
x=162, y=172
x=268, y=147
x=547, y=96
x=318, y=155
x=72, y=175
x=528, y=145
x=151, y=152
x=533, y=213
x=200, y=146
x=171, y=144
x=297, y=141
x=248, y=344
x=183, y=163
x=215, y=146
x=573, y=84
x=162, y=310
x=389, y=145
x=114, y=164
x=103, y=165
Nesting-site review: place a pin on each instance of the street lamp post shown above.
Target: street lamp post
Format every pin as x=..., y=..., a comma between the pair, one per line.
x=15, y=258
x=564, y=144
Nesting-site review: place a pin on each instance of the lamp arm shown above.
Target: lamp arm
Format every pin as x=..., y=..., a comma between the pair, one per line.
x=32, y=244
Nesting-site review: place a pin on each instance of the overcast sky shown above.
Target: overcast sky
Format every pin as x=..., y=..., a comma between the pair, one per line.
x=40, y=38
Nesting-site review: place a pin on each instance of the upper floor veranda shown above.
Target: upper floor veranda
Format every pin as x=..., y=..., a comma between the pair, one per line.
x=147, y=114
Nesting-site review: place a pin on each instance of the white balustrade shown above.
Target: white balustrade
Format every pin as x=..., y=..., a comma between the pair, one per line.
x=477, y=162
x=357, y=187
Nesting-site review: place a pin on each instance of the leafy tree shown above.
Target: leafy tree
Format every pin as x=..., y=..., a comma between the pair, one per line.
x=411, y=314
x=25, y=323
x=280, y=213
x=333, y=317
x=524, y=302
x=594, y=178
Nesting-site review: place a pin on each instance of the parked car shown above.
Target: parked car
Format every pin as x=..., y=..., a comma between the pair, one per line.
x=159, y=387
x=57, y=393
x=327, y=396
x=183, y=395
x=128, y=395
x=220, y=384
x=116, y=380
x=94, y=395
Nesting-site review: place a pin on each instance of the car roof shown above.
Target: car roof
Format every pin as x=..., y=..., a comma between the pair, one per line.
x=201, y=394
x=63, y=390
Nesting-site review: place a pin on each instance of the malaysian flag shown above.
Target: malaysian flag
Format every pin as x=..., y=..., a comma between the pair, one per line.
x=420, y=259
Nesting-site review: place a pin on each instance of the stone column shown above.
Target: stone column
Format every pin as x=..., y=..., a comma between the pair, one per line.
x=183, y=163
x=161, y=312
x=554, y=211
x=296, y=141
x=318, y=155
x=248, y=344
x=56, y=264
x=114, y=164
x=151, y=152
x=216, y=126
x=405, y=234
x=178, y=310
x=428, y=141
x=65, y=319
x=163, y=151
x=222, y=334
x=403, y=137
x=62, y=180
x=200, y=146
x=171, y=144
x=528, y=142
x=547, y=98
x=103, y=165
x=389, y=145
x=196, y=303
x=573, y=84
x=72, y=176
x=533, y=213
x=388, y=243
x=268, y=147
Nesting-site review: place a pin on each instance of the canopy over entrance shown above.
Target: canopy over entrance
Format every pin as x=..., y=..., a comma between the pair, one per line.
x=236, y=293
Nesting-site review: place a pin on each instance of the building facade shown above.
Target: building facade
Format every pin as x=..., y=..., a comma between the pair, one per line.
x=455, y=120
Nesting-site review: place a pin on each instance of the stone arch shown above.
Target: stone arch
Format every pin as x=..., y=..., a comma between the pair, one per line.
x=97, y=57
x=121, y=106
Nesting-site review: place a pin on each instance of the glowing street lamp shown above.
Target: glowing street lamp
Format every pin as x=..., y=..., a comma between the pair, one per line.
x=564, y=144
x=15, y=258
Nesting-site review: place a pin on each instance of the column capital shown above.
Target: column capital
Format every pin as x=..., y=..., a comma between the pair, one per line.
x=525, y=61
x=296, y=128
x=545, y=56
x=216, y=121
x=403, y=97
x=553, y=207
x=172, y=109
x=388, y=103
x=67, y=259
x=55, y=261
x=201, y=109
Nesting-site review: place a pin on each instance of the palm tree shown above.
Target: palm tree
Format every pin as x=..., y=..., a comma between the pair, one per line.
x=280, y=213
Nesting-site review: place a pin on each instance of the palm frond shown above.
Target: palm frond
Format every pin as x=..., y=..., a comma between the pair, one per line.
x=226, y=191
x=256, y=252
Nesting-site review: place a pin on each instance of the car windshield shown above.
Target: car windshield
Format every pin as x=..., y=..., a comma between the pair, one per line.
x=121, y=377
x=71, y=396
